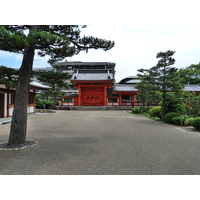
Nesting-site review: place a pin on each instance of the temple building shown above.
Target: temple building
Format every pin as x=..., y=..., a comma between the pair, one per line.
x=93, y=84
x=7, y=97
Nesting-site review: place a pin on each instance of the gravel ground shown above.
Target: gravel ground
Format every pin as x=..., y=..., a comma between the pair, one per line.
x=102, y=143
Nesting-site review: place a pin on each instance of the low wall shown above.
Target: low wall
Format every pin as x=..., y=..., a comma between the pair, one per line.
x=93, y=107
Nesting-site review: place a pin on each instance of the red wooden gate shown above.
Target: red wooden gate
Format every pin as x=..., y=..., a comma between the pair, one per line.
x=92, y=96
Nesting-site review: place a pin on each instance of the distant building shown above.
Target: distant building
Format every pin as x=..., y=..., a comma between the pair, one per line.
x=7, y=97
x=93, y=84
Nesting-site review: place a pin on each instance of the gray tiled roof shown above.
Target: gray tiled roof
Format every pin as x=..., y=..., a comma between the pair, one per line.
x=44, y=69
x=134, y=81
x=124, y=88
x=89, y=75
x=78, y=63
x=130, y=88
x=192, y=88
x=39, y=85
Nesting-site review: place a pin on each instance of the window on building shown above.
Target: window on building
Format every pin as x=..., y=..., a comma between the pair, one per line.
x=68, y=100
x=31, y=99
x=112, y=99
x=12, y=100
x=126, y=98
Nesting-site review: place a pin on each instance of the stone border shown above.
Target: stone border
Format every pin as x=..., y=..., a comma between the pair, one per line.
x=28, y=143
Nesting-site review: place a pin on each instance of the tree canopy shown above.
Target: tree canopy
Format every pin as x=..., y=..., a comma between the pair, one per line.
x=8, y=77
x=56, y=41
x=55, y=80
x=190, y=74
x=160, y=78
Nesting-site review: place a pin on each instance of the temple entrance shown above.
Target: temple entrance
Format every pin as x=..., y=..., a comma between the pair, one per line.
x=1, y=105
x=92, y=96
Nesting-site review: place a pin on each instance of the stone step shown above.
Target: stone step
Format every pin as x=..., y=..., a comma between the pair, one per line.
x=93, y=107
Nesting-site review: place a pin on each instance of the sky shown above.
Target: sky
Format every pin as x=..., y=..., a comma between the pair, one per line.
x=140, y=30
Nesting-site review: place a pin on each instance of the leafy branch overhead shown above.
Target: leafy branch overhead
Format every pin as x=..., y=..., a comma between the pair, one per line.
x=8, y=77
x=162, y=77
x=57, y=41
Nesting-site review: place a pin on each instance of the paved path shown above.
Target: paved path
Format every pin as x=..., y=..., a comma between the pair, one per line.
x=102, y=142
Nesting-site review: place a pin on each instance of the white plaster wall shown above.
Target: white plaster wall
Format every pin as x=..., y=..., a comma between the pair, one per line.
x=5, y=104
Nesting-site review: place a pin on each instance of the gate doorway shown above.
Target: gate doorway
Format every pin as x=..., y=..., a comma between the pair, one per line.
x=1, y=105
x=92, y=96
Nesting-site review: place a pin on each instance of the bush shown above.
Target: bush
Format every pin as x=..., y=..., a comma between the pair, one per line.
x=156, y=118
x=136, y=110
x=188, y=121
x=155, y=112
x=196, y=123
x=178, y=119
x=169, y=116
x=41, y=102
x=146, y=109
x=180, y=108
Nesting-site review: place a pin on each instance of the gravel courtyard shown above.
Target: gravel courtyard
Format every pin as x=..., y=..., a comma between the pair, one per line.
x=102, y=142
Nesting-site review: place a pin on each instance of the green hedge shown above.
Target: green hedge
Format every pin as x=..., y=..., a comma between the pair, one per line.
x=155, y=112
x=41, y=102
x=196, y=123
x=189, y=121
x=169, y=116
x=180, y=119
x=136, y=110
x=156, y=118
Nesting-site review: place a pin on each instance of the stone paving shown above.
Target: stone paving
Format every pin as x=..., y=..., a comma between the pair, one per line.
x=102, y=143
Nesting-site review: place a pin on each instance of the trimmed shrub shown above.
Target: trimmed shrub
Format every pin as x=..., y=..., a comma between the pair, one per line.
x=155, y=112
x=196, y=123
x=156, y=118
x=180, y=108
x=146, y=109
x=41, y=102
x=178, y=119
x=136, y=110
x=188, y=121
x=169, y=116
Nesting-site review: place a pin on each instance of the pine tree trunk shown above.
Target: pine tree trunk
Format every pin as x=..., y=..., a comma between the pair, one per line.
x=163, y=105
x=19, y=119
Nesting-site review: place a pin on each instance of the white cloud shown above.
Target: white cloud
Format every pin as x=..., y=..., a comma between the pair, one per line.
x=136, y=46
x=140, y=30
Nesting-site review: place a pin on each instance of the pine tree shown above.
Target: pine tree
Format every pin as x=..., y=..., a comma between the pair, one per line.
x=56, y=41
x=190, y=74
x=146, y=88
x=8, y=77
x=165, y=77
x=55, y=80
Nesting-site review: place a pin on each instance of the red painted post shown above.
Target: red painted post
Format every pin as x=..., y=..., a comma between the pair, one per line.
x=134, y=100
x=79, y=95
x=120, y=99
x=105, y=96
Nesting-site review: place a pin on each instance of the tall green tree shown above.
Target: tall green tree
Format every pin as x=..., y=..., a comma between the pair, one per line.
x=8, y=77
x=190, y=74
x=146, y=88
x=55, y=80
x=56, y=41
x=165, y=77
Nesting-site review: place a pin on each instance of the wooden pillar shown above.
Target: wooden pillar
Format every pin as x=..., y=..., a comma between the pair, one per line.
x=105, y=95
x=7, y=104
x=134, y=100
x=120, y=99
x=79, y=95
